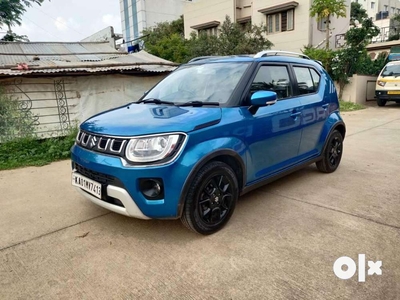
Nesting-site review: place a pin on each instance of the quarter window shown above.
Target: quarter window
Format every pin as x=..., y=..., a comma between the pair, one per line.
x=273, y=78
x=307, y=80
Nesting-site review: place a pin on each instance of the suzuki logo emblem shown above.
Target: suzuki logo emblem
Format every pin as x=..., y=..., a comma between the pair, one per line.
x=93, y=142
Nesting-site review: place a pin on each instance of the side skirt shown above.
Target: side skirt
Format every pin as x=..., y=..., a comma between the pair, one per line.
x=277, y=176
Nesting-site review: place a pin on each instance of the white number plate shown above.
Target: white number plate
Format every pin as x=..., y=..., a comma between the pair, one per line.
x=86, y=184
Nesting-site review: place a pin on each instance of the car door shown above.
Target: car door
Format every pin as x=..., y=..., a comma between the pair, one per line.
x=315, y=108
x=276, y=129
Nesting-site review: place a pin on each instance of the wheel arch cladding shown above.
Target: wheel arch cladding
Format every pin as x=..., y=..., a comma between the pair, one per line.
x=227, y=156
x=333, y=122
x=341, y=128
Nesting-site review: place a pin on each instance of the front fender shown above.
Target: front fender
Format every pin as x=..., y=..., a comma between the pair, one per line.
x=198, y=155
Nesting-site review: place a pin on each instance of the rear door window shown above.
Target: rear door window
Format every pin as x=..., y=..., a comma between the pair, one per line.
x=307, y=80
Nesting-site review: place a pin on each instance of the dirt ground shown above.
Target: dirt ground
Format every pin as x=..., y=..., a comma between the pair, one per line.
x=281, y=242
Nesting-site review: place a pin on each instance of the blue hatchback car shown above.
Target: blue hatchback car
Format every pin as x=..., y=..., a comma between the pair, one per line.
x=211, y=131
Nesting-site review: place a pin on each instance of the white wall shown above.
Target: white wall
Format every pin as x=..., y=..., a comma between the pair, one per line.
x=162, y=10
x=360, y=89
x=203, y=11
x=59, y=102
x=293, y=40
x=305, y=28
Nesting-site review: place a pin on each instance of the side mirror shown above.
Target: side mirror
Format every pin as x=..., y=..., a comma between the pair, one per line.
x=262, y=98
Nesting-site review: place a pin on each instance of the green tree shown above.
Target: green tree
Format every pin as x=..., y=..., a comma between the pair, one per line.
x=322, y=55
x=325, y=9
x=357, y=12
x=11, y=11
x=232, y=39
x=353, y=58
x=167, y=40
x=202, y=45
x=394, y=33
x=13, y=37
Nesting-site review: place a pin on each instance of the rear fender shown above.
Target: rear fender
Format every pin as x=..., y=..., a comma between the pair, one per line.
x=334, y=122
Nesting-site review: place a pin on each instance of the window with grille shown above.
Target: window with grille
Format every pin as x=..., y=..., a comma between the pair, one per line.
x=280, y=22
x=209, y=31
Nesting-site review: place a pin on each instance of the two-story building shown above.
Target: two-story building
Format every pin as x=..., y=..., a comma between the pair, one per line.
x=289, y=25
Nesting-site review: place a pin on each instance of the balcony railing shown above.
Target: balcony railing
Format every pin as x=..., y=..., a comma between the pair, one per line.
x=383, y=36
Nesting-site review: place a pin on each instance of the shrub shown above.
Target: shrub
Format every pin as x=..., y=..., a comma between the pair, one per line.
x=322, y=55
x=14, y=122
x=29, y=151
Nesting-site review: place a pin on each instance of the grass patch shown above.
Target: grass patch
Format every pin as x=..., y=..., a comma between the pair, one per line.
x=350, y=106
x=25, y=152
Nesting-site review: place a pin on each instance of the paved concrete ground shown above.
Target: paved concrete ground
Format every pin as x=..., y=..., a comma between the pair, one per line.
x=281, y=242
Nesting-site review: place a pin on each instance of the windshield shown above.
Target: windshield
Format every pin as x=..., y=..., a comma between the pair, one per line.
x=213, y=82
x=391, y=70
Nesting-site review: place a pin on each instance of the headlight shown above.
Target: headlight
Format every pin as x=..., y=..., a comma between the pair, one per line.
x=381, y=83
x=152, y=148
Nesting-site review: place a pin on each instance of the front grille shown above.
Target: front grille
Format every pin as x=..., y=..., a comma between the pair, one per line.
x=109, y=145
x=98, y=177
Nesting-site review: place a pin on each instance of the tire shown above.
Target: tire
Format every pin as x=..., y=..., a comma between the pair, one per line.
x=332, y=154
x=211, y=198
x=380, y=102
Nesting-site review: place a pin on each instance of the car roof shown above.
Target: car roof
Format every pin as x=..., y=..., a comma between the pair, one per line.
x=263, y=56
x=395, y=62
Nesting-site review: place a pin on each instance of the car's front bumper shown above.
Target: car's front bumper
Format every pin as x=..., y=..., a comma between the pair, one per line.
x=129, y=207
x=121, y=191
x=385, y=96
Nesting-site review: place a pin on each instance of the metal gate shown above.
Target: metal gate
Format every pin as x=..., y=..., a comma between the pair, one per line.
x=43, y=102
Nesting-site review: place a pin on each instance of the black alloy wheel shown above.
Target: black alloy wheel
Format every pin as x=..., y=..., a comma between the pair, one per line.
x=211, y=199
x=332, y=154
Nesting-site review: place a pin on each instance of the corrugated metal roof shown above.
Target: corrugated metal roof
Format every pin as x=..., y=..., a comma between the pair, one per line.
x=75, y=57
x=138, y=68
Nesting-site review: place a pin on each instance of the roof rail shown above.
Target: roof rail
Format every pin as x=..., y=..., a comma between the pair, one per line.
x=202, y=57
x=278, y=52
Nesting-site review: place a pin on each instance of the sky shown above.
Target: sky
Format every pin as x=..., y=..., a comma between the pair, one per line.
x=68, y=20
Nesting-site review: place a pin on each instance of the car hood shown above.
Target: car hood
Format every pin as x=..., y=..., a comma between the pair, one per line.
x=141, y=119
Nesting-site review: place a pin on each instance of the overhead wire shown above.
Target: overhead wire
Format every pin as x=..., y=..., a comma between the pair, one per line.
x=58, y=21
x=41, y=27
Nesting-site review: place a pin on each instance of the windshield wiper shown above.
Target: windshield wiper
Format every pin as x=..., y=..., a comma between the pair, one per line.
x=198, y=103
x=156, y=101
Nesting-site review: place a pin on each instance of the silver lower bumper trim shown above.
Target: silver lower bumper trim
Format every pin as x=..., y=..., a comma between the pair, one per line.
x=130, y=208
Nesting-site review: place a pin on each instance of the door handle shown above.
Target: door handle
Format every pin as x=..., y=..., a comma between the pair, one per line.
x=295, y=114
x=325, y=106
